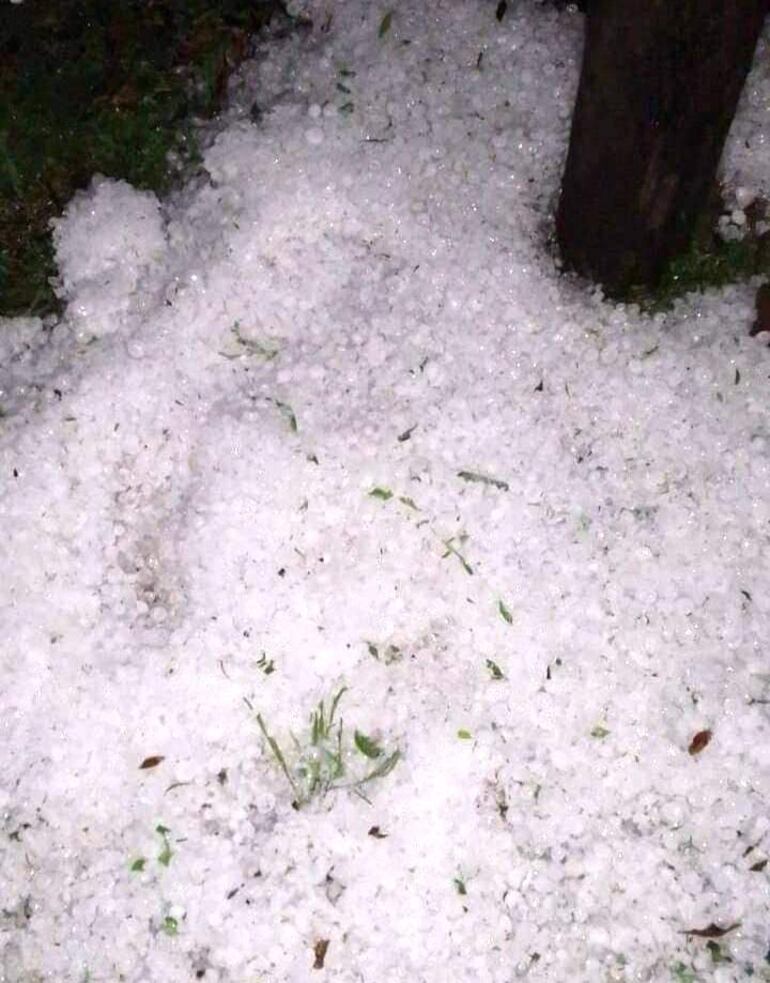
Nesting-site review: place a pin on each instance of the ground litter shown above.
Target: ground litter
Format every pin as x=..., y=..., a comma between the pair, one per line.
x=332, y=419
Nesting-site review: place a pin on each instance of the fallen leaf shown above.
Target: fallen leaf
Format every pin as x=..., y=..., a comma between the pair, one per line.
x=319, y=951
x=152, y=762
x=377, y=833
x=699, y=741
x=367, y=747
x=759, y=865
x=711, y=931
x=484, y=479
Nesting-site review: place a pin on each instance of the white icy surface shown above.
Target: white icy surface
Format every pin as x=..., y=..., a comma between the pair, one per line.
x=359, y=297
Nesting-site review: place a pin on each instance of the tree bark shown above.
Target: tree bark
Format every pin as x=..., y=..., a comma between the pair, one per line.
x=659, y=86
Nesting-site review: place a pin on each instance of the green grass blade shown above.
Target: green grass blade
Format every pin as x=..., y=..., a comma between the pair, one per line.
x=335, y=703
x=274, y=747
x=383, y=769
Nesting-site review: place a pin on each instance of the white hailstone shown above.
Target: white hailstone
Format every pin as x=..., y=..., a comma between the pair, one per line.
x=744, y=196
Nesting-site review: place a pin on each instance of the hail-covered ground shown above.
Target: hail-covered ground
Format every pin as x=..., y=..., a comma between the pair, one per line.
x=377, y=604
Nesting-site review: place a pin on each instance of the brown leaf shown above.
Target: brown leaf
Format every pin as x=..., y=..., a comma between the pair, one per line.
x=153, y=761
x=699, y=741
x=759, y=865
x=377, y=833
x=319, y=951
x=711, y=931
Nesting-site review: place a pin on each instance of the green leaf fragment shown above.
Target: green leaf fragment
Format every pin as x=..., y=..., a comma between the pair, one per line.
x=716, y=952
x=452, y=551
x=409, y=502
x=682, y=974
x=460, y=887
x=170, y=925
x=385, y=23
x=138, y=864
x=165, y=855
x=288, y=414
x=464, y=735
x=252, y=345
x=599, y=731
x=392, y=654
x=387, y=653
x=494, y=670
x=384, y=494
x=383, y=769
x=483, y=479
x=367, y=747
x=266, y=665
x=505, y=614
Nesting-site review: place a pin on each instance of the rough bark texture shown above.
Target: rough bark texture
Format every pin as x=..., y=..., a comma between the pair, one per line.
x=658, y=89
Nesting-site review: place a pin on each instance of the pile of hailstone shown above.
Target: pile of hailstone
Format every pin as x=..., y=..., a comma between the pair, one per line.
x=331, y=421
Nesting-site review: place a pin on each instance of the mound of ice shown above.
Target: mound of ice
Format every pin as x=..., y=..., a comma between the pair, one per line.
x=105, y=241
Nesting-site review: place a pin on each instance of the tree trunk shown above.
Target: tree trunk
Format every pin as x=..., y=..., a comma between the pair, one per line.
x=658, y=89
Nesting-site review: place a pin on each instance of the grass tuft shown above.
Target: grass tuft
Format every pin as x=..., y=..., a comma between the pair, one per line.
x=325, y=759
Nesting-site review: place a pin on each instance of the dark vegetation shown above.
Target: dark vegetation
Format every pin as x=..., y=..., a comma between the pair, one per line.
x=709, y=260
x=99, y=86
